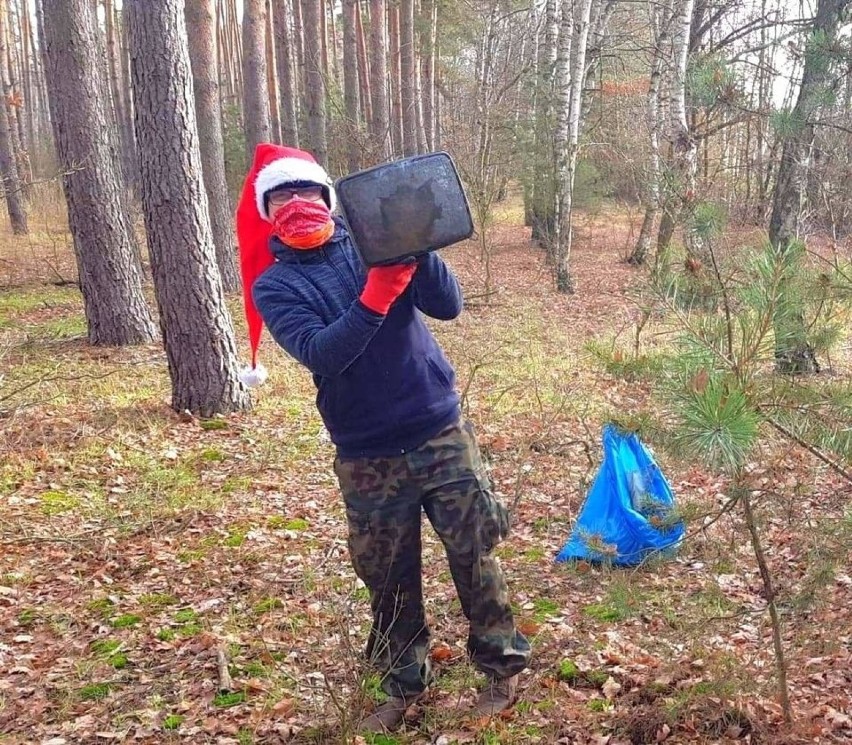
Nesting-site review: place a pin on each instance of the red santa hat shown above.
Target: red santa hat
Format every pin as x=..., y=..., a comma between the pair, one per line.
x=274, y=166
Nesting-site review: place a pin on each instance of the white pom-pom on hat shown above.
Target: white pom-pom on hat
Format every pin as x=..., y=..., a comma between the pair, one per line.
x=252, y=377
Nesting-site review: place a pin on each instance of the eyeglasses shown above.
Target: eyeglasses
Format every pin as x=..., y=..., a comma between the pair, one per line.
x=282, y=196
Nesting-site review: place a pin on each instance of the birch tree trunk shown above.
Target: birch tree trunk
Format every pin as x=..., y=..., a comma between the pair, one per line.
x=198, y=334
x=201, y=24
x=793, y=352
x=314, y=82
x=257, y=121
x=288, y=90
x=396, y=125
x=380, y=121
x=363, y=76
x=350, y=80
x=12, y=186
x=105, y=247
x=408, y=95
x=683, y=145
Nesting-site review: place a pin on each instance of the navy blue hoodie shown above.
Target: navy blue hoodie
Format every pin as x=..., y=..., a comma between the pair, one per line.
x=383, y=384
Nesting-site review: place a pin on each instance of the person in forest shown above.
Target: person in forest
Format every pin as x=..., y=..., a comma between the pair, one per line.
x=386, y=395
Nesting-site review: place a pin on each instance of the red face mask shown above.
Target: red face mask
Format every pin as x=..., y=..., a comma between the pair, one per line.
x=303, y=224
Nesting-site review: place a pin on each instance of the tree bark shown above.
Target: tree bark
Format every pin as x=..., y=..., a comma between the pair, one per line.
x=363, y=65
x=12, y=186
x=379, y=121
x=408, y=87
x=272, y=75
x=350, y=81
x=396, y=125
x=201, y=25
x=197, y=331
x=288, y=90
x=257, y=121
x=314, y=82
x=793, y=351
x=429, y=25
x=104, y=244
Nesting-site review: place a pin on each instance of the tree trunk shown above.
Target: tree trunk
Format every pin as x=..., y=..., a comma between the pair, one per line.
x=12, y=186
x=396, y=125
x=257, y=122
x=201, y=23
x=541, y=175
x=683, y=146
x=379, y=122
x=429, y=25
x=104, y=244
x=198, y=334
x=129, y=155
x=272, y=75
x=286, y=82
x=363, y=65
x=793, y=351
x=408, y=87
x=27, y=79
x=314, y=82
x=651, y=200
x=350, y=81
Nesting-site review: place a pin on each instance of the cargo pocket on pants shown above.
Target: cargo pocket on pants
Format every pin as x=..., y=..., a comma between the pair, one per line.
x=493, y=516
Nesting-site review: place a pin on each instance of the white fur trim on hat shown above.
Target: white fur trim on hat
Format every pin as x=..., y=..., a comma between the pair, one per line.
x=288, y=170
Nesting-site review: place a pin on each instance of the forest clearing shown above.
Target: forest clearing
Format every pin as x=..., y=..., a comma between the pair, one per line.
x=143, y=550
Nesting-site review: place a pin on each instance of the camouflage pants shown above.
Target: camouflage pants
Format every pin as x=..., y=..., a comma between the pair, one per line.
x=384, y=497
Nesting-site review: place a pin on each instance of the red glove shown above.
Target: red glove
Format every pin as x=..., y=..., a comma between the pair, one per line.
x=385, y=284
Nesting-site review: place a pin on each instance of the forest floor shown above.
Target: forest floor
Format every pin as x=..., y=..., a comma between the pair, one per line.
x=147, y=557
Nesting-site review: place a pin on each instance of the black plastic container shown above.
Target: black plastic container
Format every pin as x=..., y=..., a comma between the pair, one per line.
x=404, y=209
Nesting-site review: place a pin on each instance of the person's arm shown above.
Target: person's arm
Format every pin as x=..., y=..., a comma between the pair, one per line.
x=436, y=290
x=326, y=350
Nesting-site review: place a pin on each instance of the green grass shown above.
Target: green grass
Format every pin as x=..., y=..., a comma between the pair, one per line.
x=126, y=621
x=158, y=600
x=568, y=671
x=57, y=502
x=185, y=615
x=172, y=721
x=212, y=425
x=105, y=646
x=267, y=604
x=166, y=635
x=545, y=608
x=235, y=538
x=27, y=617
x=95, y=691
x=102, y=606
x=225, y=700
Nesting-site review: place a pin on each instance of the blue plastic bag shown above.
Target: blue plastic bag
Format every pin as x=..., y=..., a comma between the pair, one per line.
x=629, y=512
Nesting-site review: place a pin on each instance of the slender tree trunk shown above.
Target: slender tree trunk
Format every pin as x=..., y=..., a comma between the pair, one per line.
x=29, y=64
x=201, y=22
x=286, y=82
x=363, y=65
x=299, y=60
x=104, y=243
x=129, y=155
x=12, y=186
x=197, y=331
x=272, y=75
x=14, y=101
x=257, y=122
x=652, y=114
x=379, y=121
x=314, y=82
x=350, y=80
x=408, y=87
x=793, y=351
x=396, y=125
x=418, y=83
x=429, y=32
x=542, y=178
x=323, y=29
x=683, y=145
x=564, y=280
